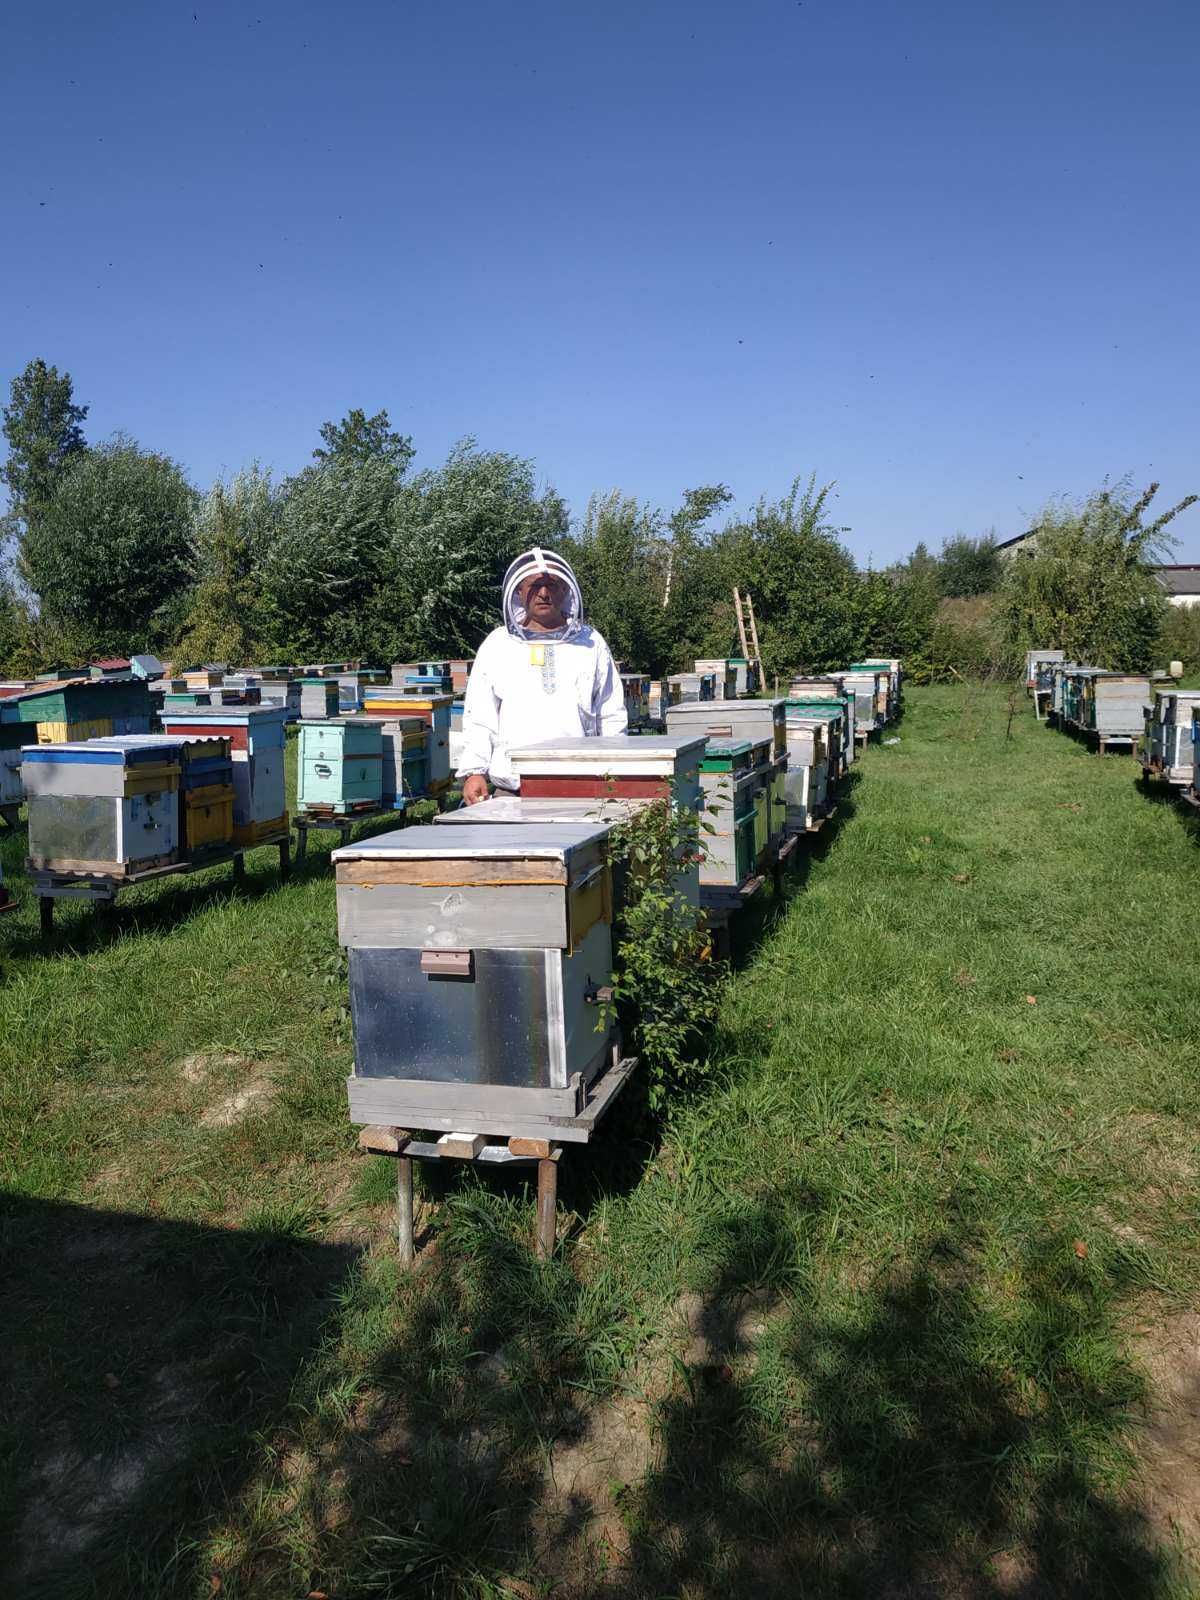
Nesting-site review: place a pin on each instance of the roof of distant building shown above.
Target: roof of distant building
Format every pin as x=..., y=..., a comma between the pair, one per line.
x=1183, y=579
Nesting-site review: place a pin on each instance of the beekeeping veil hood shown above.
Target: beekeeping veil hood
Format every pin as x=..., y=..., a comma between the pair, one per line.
x=525, y=566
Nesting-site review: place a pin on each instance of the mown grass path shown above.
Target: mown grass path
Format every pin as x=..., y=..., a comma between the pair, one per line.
x=887, y=1309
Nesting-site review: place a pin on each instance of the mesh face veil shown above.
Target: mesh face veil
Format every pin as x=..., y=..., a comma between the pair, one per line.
x=528, y=565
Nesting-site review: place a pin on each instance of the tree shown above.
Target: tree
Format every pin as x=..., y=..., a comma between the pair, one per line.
x=42, y=427
x=358, y=437
x=109, y=553
x=969, y=566
x=234, y=525
x=1085, y=582
x=454, y=530
x=623, y=558
x=326, y=560
x=803, y=581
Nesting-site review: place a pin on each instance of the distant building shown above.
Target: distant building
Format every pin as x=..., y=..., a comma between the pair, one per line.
x=1009, y=547
x=1182, y=583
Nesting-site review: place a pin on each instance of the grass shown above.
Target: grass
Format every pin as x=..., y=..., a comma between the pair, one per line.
x=875, y=1314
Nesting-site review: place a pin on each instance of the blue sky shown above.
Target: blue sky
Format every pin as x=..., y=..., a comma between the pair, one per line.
x=944, y=253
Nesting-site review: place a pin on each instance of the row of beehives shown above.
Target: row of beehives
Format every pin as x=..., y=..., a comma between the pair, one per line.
x=1107, y=706
x=480, y=946
x=119, y=805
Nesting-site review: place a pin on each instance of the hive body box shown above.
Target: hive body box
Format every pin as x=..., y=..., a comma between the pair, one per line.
x=736, y=720
x=77, y=700
x=515, y=810
x=636, y=687
x=732, y=787
x=340, y=765
x=648, y=767
x=862, y=686
x=13, y=735
x=1037, y=658
x=1169, y=734
x=319, y=697
x=256, y=738
x=693, y=686
x=100, y=808
x=475, y=957
x=1113, y=703
x=723, y=676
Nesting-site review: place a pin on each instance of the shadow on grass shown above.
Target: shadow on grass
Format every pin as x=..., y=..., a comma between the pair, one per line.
x=933, y=1433
x=917, y=1439
x=141, y=1358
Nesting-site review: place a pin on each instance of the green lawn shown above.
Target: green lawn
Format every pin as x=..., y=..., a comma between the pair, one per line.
x=886, y=1311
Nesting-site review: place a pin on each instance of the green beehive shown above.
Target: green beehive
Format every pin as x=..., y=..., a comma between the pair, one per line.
x=83, y=700
x=732, y=789
x=340, y=768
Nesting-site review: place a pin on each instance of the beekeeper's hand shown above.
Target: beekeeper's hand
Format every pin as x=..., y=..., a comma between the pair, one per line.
x=475, y=789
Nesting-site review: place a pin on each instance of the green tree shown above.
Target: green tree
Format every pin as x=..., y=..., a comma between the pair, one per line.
x=42, y=427
x=109, y=554
x=325, y=561
x=969, y=566
x=234, y=525
x=1085, y=582
x=358, y=437
x=454, y=530
x=803, y=581
x=622, y=558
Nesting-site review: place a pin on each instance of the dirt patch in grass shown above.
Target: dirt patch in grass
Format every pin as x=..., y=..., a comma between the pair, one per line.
x=251, y=1093
x=1168, y=1439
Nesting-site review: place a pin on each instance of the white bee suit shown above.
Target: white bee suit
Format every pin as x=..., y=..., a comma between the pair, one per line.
x=525, y=686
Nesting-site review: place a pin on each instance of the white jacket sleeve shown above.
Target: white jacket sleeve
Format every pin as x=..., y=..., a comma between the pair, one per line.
x=608, y=706
x=480, y=720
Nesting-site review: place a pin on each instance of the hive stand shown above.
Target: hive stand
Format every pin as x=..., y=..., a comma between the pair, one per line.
x=51, y=884
x=343, y=823
x=500, y=1152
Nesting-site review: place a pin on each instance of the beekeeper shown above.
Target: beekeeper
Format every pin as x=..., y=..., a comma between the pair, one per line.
x=543, y=674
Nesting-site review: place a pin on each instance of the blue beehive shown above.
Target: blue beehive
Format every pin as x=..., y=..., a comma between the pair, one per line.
x=340, y=766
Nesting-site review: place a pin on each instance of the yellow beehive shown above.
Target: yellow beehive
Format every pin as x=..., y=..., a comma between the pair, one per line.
x=70, y=732
x=252, y=832
x=208, y=817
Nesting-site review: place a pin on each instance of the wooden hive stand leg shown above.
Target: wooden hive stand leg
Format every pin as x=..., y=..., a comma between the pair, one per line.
x=239, y=868
x=301, y=842
x=46, y=912
x=547, y=1207
x=285, y=858
x=404, y=1210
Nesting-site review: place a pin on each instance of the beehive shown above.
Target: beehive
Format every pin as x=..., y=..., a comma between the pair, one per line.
x=390, y=702
x=256, y=738
x=723, y=676
x=731, y=719
x=647, y=767
x=731, y=786
x=102, y=808
x=692, y=686
x=476, y=955
x=340, y=765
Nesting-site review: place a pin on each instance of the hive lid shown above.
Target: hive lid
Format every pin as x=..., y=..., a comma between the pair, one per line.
x=114, y=752
x=550, y=841
x=726, y=708
x=526, y=811
x=232, y=714
x=614, y=752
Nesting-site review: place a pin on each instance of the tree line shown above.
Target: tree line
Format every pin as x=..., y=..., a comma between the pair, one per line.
x=109, y=548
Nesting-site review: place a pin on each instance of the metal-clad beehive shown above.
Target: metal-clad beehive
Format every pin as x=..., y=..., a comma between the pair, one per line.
x=476, y=957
